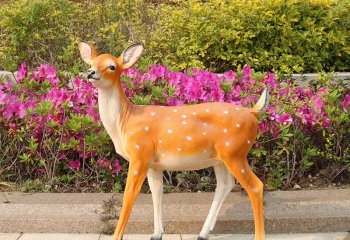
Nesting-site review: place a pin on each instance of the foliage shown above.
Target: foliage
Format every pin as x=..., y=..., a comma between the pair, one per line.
x=48, y=31
x=284, y=36
x=51, y=129
x=289, y=36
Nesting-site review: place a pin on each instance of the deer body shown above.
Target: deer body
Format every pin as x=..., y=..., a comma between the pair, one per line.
x=154, y=139
x=188, y=137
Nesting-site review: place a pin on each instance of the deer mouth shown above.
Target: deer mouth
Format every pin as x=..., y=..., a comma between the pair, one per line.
x=91, y=78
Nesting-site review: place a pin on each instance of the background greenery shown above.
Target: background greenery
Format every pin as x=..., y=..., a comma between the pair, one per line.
x=286, y=36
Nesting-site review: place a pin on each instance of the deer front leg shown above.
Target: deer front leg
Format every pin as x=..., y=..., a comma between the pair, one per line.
x=136, y=175
x=225, y=183
x=155, y=181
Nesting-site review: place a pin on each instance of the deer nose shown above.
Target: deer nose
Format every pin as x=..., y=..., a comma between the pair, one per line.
x=91, y=72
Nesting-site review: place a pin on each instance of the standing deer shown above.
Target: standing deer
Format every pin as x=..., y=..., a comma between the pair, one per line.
x=154, y=139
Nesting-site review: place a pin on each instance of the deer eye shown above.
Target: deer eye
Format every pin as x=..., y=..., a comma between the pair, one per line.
x=112, y=67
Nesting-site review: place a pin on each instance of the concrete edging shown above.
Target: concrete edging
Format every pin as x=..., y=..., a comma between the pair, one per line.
x=285, y=212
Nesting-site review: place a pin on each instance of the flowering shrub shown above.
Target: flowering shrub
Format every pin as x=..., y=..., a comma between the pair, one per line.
x=51, y=127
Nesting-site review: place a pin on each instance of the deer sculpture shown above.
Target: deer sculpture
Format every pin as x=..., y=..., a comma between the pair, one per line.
x=155, y=138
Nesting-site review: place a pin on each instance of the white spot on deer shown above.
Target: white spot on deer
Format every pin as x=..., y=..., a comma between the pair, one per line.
x=175, y=110
x=178, y=149
x=237, y=108
x=135, y=172
x=184, y=116
x=248, y=141
x=226, y=112
x=147, y=128
x=168, y=118
x=227, y=144
x=255, y=190
x=204, y=133
x=207, y=110
x=189, y=138
x=160, y=141
x=153, y=114
x=137, y=146
x=184, y=122
x=163, y=154
x=238, y=125
x=205, y=124
x=242, y=170
x=225, y=130
x=131, y=133
x=194, y=113
x=170, y=131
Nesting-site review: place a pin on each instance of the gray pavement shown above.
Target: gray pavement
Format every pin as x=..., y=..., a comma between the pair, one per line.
x=184, y=213
x=66, y=236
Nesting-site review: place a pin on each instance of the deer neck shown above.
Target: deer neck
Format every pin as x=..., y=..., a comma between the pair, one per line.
x=115, y=109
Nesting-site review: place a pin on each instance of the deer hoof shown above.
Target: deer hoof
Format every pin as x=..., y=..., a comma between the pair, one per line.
x=156, y=238
x=201, y=238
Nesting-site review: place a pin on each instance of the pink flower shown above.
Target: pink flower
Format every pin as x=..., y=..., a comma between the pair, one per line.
x=2, y=97
x=74, y=164
x=284, y=118
x=270, y=80
x=14, y=107
x=104, y=163
x=247, y=70
x=230, y=75
x=174, y=78
x=117, y=168
x=318, y=102
x=77, y=82
x=21, y=72
x=346, y=103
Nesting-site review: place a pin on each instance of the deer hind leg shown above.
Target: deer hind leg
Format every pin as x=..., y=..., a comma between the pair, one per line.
x=225, y=183
x=155, y=181
x=136, y=175
x=251, y=183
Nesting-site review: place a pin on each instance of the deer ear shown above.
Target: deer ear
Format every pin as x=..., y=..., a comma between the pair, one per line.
x=131, y=54
x=87, y=52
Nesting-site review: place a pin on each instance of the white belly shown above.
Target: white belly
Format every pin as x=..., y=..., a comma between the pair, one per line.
x=183, y=162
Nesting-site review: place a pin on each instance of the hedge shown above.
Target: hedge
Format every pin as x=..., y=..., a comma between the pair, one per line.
x=284, y=36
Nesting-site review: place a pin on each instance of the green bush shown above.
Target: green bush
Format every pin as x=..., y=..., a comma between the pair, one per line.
x=48, y=31
x=286, y=36
x=299, y=36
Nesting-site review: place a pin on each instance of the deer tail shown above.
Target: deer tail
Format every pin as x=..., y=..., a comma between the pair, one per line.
x=262, y=104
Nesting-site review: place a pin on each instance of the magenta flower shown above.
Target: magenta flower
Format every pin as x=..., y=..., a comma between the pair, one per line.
x=74, y=164
x=230, y=76
x=104, y=163
x=346, y=103
x=318, y=102
x=77, y=82
x=21, y=72
x=117, y=167
x=2, y=97
x=284, y=118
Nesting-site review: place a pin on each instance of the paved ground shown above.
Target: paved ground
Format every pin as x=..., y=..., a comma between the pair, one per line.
x=285, y=212
x=65, y=236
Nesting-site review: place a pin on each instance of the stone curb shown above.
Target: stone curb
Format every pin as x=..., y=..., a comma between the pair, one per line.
x=65, y=236
x=300, y=78
x=285, y=212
